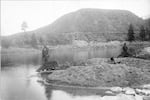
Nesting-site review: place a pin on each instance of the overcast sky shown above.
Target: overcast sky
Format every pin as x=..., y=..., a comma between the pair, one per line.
x=41, y=13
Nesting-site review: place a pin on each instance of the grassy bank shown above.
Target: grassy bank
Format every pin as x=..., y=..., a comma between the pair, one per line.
x=130, y=72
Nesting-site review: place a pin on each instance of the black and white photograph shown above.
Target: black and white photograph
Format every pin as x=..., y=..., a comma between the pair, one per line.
x=75, y=50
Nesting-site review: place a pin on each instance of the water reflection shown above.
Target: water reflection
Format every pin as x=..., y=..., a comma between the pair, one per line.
x=58, y=95
x=62, y=55
x=23, y=83
x=72, y=93
x=61, y=93
x=16, y=84
x=47, y=90
x=74, y=55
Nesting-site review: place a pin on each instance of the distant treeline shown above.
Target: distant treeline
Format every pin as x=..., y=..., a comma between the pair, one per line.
x=33, y=40
x=142, y=35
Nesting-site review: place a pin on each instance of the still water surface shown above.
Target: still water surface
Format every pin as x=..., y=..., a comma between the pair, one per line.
x=61, y=55
x=23, y=83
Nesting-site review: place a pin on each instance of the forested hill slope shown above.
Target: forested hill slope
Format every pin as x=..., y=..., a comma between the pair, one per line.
x=94, y=20
x=87, y=24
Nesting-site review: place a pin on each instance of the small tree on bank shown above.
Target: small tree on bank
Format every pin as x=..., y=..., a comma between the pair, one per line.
x=24, y=26
x=131, y=33
x=142, y=33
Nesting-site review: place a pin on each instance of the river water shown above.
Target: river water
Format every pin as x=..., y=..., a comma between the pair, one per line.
x=63, y=54
x=23, y=83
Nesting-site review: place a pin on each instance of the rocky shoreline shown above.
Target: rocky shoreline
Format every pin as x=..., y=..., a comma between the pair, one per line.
x=122, y=93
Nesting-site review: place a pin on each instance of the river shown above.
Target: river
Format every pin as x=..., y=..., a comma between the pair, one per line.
x=23, y=83
x=20, y=81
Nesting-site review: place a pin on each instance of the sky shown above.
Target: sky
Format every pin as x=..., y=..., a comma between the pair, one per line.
x=41, y=13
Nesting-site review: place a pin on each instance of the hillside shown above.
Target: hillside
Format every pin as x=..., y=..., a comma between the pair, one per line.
x=147, y=23
x=93, y=20
x=85, y=24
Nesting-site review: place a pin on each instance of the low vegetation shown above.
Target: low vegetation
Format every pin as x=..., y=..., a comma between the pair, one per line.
x=98, y=72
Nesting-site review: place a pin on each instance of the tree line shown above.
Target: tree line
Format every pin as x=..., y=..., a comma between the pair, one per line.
x=143, y=35
x=34, y=41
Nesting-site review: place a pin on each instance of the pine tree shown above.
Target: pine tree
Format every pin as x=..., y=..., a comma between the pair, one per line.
x=142, y=33
x=131, y=33
x=146, y=34
x=149, y=35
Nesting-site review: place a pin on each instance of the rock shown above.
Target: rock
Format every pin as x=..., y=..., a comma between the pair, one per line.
x=123, y=97
x=129, y=91
x=145, y=92
x=109, y=92
x=138, y=91
x=116, y=89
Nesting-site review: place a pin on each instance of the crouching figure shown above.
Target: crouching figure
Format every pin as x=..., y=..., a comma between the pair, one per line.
x=46, y=64
x=125, y=51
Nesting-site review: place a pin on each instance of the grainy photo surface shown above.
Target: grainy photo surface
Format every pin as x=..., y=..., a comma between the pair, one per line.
x=75, y=50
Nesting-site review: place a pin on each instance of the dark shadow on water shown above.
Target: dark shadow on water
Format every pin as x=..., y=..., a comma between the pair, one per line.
x=48, y=90
x=71, y=91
